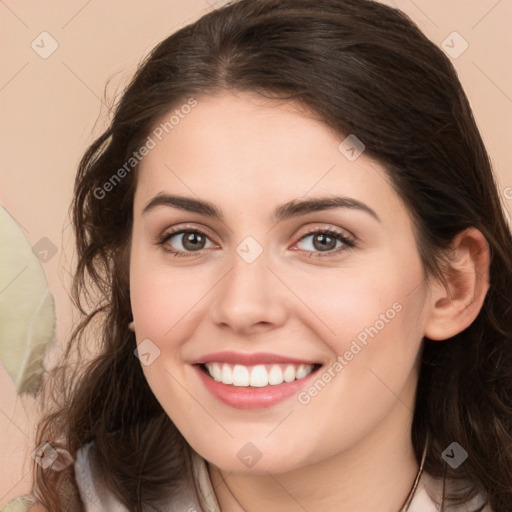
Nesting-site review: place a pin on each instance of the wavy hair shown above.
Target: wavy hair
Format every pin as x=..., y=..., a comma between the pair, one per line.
x=363, y=68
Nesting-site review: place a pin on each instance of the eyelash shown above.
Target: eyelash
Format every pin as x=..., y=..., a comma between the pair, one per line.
x=348, y=243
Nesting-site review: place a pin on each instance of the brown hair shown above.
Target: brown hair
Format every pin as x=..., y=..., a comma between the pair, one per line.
x=364, y=69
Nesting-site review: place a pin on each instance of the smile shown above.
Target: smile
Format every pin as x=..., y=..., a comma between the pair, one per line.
x=258, y=375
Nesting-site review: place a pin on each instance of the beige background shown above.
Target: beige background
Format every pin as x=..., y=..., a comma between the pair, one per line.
x=52, y=108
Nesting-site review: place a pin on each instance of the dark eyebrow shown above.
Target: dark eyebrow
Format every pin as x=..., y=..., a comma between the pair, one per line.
x=285, y=211
x=302, y=207
x=184, y=203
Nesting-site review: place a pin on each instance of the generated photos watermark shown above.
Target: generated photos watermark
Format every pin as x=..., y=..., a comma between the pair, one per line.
x=357, y=345
x=151, y=142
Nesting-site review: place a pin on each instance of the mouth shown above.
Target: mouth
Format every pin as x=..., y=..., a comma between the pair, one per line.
x=254, y=381
x=256, y=376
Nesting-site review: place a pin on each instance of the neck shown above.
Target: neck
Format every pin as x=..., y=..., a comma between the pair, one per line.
x=374, y=475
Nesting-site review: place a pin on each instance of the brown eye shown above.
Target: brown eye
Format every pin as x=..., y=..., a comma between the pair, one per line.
x=186, y=241
x=193, y=241
x=323, y=241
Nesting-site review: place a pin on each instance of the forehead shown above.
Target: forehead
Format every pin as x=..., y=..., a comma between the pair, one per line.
x=241, y=147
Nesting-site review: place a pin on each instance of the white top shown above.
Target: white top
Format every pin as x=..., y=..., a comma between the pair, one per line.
x=95, y=497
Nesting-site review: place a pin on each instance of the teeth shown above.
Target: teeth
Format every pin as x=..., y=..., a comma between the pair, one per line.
x=227, y=374
x=240, y=375
x=216, y=373
x=275, y=375
x=257, y=376
x=301, y=372
x=289, y=374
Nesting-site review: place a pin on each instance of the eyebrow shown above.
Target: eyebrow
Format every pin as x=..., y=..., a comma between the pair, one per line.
x=285, y=211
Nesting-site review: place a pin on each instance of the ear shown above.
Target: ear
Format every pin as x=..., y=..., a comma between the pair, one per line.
x=454, y=306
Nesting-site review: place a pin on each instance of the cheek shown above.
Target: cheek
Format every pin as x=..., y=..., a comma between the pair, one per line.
x=380, y=332
x=377, y=323
x=161, y=296
x=164, y=304
x=382, y=300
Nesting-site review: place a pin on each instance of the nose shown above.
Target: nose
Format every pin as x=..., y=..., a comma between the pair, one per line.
x=250, y=298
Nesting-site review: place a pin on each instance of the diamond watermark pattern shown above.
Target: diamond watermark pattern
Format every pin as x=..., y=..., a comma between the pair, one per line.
x=455, y=455
x=44, y=45
x=352, y=147
x=147, y=352
x=44, y=249
x=249, y=454
x=45, y=455
x=454, y=45
x=249, y=249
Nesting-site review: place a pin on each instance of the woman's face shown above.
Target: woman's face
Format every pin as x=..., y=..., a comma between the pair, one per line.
x=271, y=280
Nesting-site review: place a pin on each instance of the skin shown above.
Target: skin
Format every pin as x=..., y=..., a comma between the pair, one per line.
x=247, y=156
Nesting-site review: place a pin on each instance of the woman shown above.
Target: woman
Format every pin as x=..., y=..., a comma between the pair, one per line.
x=304, y=276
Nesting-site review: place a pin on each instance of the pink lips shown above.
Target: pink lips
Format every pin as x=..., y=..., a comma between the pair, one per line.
x=248, y=397
x=249, y=359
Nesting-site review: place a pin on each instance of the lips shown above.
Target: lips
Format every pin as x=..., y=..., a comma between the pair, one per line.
x=253, y=381
x=256, y=370
x=251, y=359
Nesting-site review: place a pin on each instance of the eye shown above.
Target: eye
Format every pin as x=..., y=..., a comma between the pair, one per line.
x=318, y=243
x=184, y=241
x=329, y=241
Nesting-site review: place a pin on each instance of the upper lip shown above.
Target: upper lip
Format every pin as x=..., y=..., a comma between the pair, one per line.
x=249, y=359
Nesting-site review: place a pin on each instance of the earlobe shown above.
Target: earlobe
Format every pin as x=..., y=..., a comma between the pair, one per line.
x=131, y=326
x=455, y=305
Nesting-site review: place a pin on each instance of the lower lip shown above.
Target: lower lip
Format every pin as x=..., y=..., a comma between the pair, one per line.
x=243, y=397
